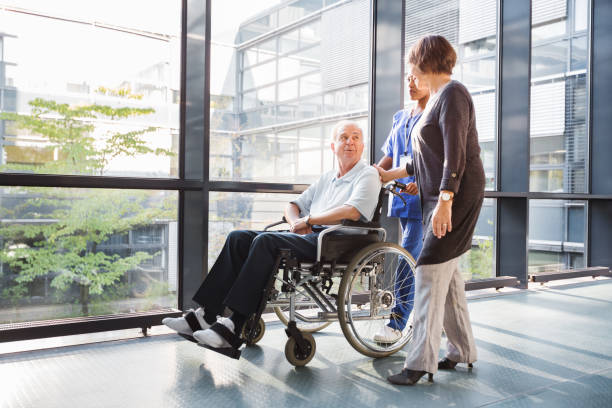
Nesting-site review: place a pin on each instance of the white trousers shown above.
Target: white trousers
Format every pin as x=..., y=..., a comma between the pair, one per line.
x=440, y=301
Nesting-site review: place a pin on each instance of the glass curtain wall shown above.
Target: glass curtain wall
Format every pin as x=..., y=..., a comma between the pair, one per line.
x=88, y=89
x=471, y=27
x=283, y=73
x=558, y=124
x=556, y=235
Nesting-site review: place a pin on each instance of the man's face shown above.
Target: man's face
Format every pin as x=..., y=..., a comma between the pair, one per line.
x=348, y=144
x=416, y=92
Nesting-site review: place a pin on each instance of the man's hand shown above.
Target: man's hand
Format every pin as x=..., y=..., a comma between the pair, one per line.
x=441, y=219
x=411, y=188
x=300, y=226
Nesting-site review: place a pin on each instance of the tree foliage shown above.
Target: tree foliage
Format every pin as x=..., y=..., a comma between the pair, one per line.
x=57, y=232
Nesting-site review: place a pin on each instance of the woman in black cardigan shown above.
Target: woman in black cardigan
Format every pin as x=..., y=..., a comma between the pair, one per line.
x=450, y=179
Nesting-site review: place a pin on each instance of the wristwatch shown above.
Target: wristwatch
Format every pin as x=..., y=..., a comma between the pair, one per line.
x=444, y=196
x=307, y=220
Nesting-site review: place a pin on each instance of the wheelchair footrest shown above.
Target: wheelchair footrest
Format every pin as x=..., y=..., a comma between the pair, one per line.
x=226, y=351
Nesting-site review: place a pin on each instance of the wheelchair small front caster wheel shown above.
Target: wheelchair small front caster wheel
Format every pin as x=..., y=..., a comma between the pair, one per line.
x=300, y=358
x=256, y=333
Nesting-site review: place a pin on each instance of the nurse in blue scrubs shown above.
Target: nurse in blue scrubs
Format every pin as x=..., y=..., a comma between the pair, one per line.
x=398, y=149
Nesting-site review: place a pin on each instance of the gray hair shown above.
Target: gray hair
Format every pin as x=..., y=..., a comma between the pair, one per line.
x=342, y=124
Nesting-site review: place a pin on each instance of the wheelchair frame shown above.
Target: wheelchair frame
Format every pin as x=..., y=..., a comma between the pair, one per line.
x=310, y=279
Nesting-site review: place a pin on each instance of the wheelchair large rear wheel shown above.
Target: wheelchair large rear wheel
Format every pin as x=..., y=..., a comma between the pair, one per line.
x=378, y=282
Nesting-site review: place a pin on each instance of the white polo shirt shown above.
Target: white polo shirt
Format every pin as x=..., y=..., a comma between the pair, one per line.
x=358, y=188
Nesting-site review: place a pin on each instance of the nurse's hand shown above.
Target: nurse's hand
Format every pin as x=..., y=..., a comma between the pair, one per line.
x=441, y=219
x=411, y=188
x=389, y=175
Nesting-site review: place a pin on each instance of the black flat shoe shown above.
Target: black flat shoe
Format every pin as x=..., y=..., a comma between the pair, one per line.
x=446, y=364
x=409, y=377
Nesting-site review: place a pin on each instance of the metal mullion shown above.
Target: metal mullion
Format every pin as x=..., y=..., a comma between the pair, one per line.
x=372, y=84
x=183, y=82
x=181, y=194
x=256, y=187
x=589, y=134
x=403, y=57
x=498, y=103
x=589, y=99
x=206, y=149
x=547, y=196
x=71, y=181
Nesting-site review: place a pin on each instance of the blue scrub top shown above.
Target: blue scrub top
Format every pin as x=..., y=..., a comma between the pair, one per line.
x=398, y=143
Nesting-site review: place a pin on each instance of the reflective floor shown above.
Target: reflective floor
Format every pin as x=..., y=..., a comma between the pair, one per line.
x=543, y=348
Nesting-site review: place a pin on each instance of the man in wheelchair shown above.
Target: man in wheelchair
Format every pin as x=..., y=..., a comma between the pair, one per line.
x=244, y=267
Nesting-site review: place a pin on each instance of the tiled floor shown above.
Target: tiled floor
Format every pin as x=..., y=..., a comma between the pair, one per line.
x=542, y=348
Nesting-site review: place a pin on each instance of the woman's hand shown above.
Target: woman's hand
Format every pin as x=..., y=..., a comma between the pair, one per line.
x=300, y=227
x=441, y=219
x=411, y=188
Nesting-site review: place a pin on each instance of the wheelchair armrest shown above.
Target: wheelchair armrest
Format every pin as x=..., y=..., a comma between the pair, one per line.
x=283, y=221
x=351, y=223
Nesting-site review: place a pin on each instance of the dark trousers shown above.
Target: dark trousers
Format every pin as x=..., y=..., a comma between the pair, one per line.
x=244, y=266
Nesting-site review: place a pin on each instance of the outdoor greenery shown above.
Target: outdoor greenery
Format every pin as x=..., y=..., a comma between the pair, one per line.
x=57, y=232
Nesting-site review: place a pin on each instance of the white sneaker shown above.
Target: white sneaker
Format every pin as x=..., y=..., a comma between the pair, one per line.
x=180, y=325
x=388, y=335
x=212, y=338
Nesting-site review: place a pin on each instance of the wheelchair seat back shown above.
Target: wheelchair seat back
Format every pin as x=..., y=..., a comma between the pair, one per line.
x=343, y=247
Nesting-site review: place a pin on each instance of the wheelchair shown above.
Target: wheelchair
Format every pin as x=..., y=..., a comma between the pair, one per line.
x=353, y=280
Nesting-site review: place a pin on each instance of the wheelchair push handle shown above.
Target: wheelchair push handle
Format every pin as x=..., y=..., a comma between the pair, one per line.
x=396, y=184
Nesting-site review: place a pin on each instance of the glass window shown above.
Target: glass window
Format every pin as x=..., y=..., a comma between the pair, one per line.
x=310, y=34
x=471, y=27
x=249, y=100
x=250, y=57
x=267, y=95
x=288, y=90
x=288, y=67
x=558, y=103
x=581, y=16
x=310, y=58
x=549, y=59
x=259, y=75
x=289, y=42
x=556, y=235
x=479, y=262
x=579, y=53
x=85, y=252
x=122, y=118
x=232, y=211
x=309, y=107
x=310, y=84
x=549, y=30
x=288, y=87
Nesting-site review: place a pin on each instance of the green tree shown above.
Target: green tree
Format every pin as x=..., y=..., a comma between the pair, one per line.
x=65, y=226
